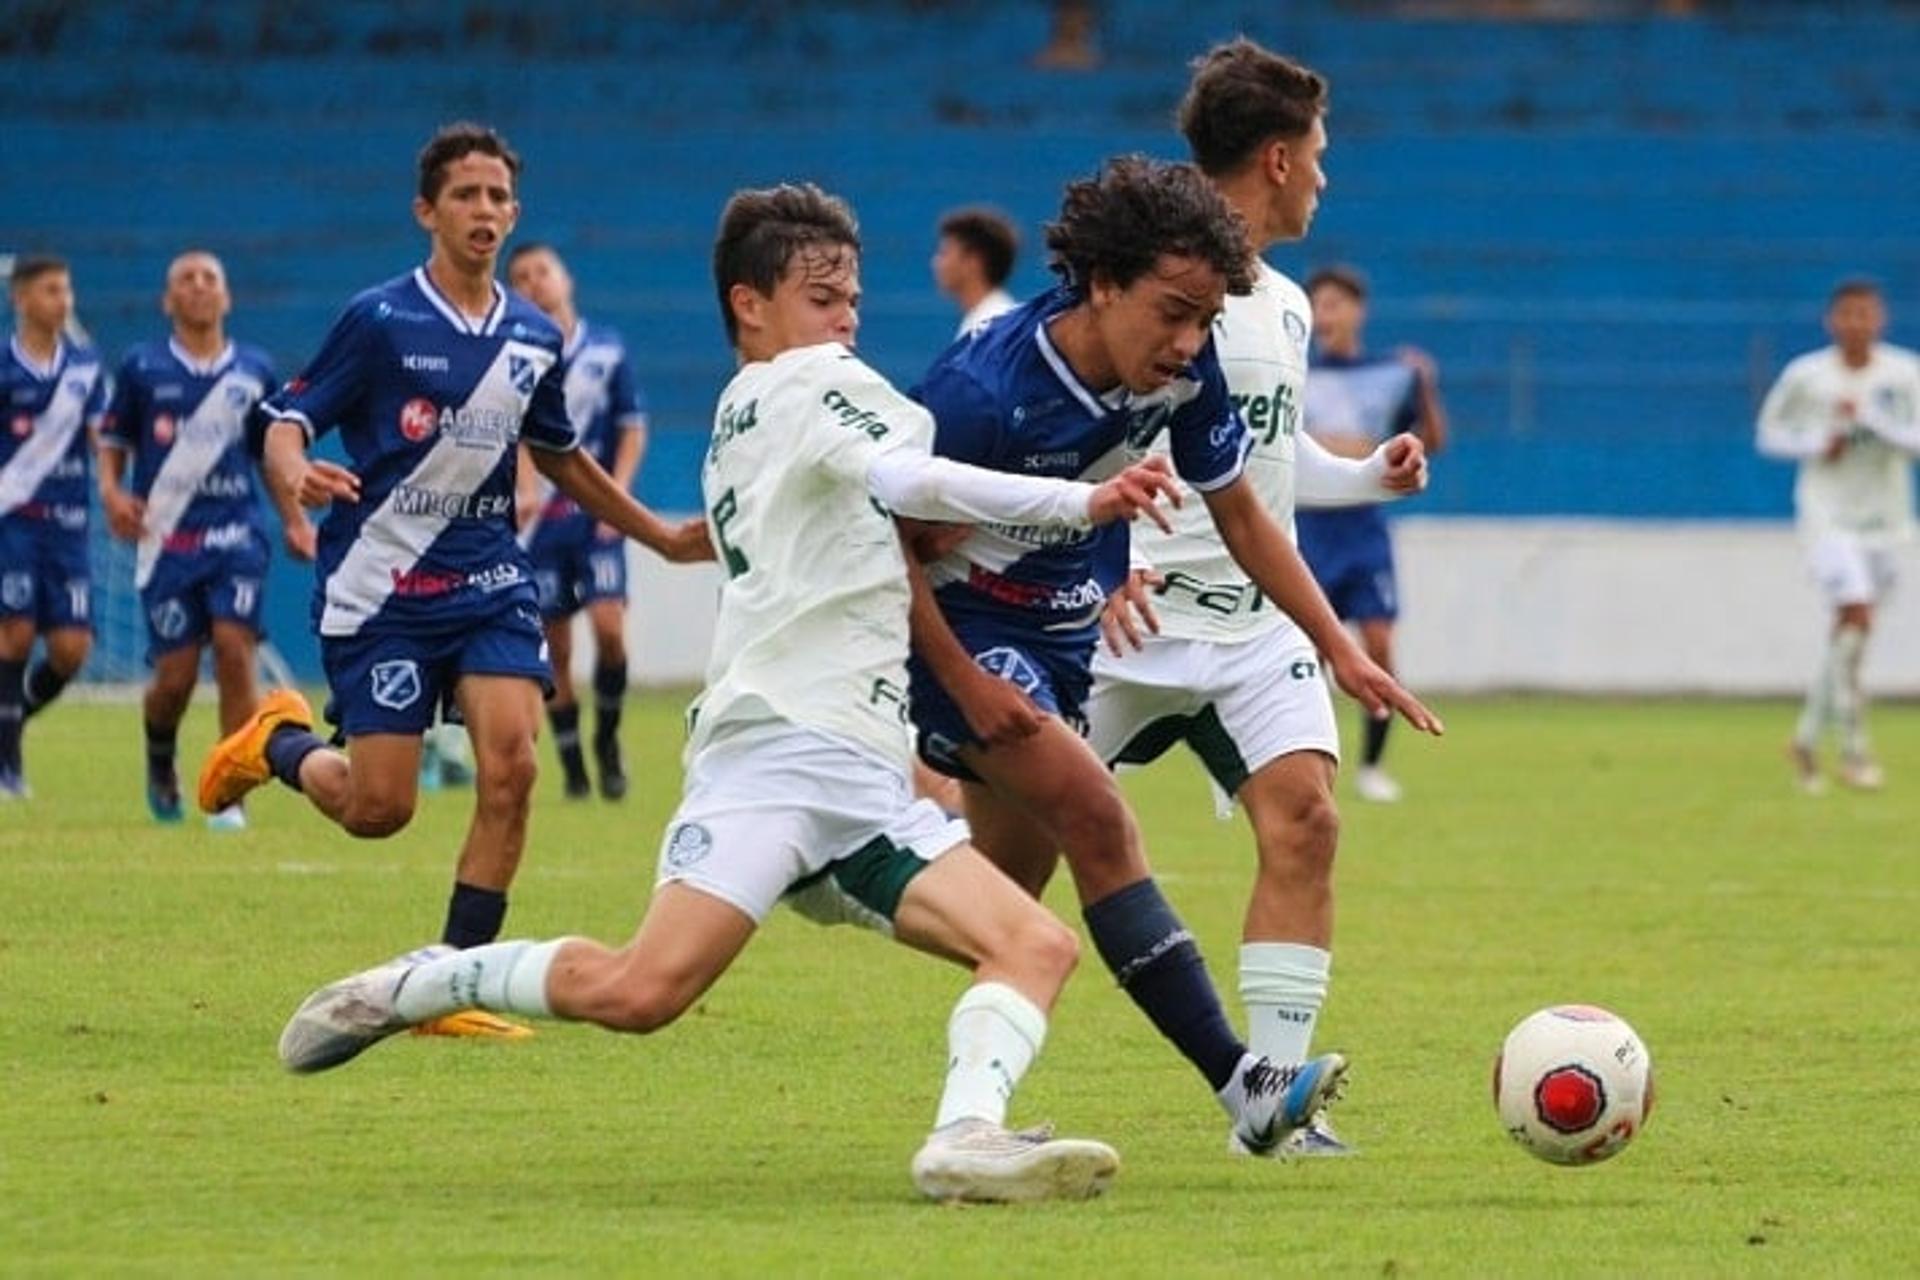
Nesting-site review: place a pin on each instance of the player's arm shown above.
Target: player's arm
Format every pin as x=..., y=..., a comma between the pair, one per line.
x=1323, y=479
x=923, y=487
x=582, y=479
x=1430, y=420
x=997, y=712
x=1897, y=420
x=1790, y=428
x=1269, y=557
x=527, y=497
x=113, y=445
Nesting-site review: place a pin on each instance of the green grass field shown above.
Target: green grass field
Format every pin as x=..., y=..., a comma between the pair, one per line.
x=1650, y=857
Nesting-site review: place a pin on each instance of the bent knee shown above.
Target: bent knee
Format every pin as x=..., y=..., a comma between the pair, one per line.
x=642, y=1008
x=507, y=778
x=373, y=821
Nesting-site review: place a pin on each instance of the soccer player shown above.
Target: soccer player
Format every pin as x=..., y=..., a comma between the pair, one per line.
x=1849, y=414
x=55, y=392
x=424, y=597
x=179, y=413
x=1355, y=400
x=1206, y=659
x=796, y=785
x=1074, y=383
x=578, y=562
x=972, y=262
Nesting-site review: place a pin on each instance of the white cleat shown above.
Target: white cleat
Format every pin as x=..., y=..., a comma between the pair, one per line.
x=1862, y=773
x=231, y=818
x=980, y=1162
x=338, y=1023
x=1806, y=769
x=1374, y=784
x=1278, y=1100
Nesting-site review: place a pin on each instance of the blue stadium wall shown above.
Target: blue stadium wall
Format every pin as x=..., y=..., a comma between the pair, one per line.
x=1609, y=233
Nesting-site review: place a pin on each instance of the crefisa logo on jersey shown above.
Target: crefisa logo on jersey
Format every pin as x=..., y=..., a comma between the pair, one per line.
x=163, y=428
x=418, y=418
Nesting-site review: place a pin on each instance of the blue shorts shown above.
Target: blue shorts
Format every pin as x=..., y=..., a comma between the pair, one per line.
x=1056, y=672
x=44, y=573
x=190, y=591
x=398, y=682
x=1351, y=555
x=573, y=568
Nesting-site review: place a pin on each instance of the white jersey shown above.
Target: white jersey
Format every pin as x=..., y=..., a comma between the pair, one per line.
x=813, y=617
x=1262, y=343
x=996, y=303
x=1867, y=492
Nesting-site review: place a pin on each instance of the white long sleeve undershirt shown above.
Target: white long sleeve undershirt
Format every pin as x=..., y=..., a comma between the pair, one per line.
x=1322, y=478
x=922, y=487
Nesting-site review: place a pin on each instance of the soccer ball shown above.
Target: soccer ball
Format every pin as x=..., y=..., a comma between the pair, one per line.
x=1573, y=1084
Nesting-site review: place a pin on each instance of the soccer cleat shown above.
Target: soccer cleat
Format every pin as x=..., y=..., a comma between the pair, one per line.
x=429, y=763
x=1371, y=782
x=13, y=786
x=1315, y=1139
x=1861, y=772
x=1278, y=1100
x=613, y=771
x=981, y=1162
x=231, y=818
x=238, y=762
x=163, y=799
x=338, y=1023
x=1806, y=769
x=474, y=1024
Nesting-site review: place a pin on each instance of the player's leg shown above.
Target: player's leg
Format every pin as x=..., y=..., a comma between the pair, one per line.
x=176, y=668
x=1842, y=569
x=16, y=646
x=563, y=708
x=65, y=618
x=1372, y=602
x=502, y=713
x=65, y=651
x=1853, y=624
x=607, y=618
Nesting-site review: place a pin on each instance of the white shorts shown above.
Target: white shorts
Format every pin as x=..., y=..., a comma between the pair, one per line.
x=1238, y=706
x=1849, y=571
x=784, y=811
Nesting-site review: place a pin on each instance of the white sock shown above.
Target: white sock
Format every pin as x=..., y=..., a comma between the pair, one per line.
x=992, y=1038
x=1233, y=1095
x=506, y=977
x=1283, y=985
x=1818, y=708
x=1850, y=704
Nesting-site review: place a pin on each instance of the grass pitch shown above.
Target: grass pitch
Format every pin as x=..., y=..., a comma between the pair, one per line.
x=1646, y=856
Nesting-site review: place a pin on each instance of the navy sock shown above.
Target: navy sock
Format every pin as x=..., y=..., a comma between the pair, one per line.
x=43, y=685
x=289, y=745
x=1154, y=958
x=609, y=693
x=566, y=737
x=160, y=752
x=12, y=712
x=1376, y=739
x=474, y=916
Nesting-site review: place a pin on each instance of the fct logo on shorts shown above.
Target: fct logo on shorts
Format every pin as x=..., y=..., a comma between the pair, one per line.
x=396, y=683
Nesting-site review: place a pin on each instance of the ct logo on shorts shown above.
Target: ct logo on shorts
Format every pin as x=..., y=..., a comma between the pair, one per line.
x=418, y=418
x=396, y=683
x=1012, y=666
x=16, y=590
x=169, y=619
x=689, y=843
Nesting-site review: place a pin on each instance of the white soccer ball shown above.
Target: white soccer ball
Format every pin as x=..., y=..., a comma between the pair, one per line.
x=1573, y=1084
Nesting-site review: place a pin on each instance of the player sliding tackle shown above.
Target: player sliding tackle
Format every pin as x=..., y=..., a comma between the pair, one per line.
x=797, y=766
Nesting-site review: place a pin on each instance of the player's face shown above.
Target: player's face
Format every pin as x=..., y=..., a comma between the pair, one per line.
x=1855, y=322
x=1305, y=178
x=1152, y=329
x=46, y=301
x=950, y=262
x=816, y=300
x=542, y=279
x=1338, y=317
x=474, y=213
x=196, y=294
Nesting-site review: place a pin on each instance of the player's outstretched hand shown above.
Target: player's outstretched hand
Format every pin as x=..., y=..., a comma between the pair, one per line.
x=323, y=482
x=1132, y=494
x=1130, y=608
x=126, y=514
x=1406, y=459
x=688, y=542
x=1369, y=685
x=299, y=537
x=998, y=713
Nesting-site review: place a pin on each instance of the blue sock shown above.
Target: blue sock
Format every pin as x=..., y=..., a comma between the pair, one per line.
x=289, y=745
x=12, y=712
x=1154, y=958
x=474, y=916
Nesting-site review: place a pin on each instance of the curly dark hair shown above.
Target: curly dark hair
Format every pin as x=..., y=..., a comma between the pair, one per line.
x=1241, y=96
x=1118, y=223
x=456, y=141
x=761, y=230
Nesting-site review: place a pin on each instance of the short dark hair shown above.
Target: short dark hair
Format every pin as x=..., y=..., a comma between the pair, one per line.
x=1119, y=222
x=455, y=141
x=29, y=267
x=1854, y=287
x=1350, y=280
x=527, y=247
x=761, y=230
x=989, y=234
x=1243, y=95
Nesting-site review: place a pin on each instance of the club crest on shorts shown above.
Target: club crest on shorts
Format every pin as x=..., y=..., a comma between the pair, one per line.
x=169, y=619
x=16, y=590
x=689, y=843
x=1010, y=665
x=396, y=683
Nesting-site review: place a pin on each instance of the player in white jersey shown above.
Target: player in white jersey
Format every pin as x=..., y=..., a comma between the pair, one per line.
x=1203, y=657
x=797, y=784
x=972, y=262
x=1849, y=414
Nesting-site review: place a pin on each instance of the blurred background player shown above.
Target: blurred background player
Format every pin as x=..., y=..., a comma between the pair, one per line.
x=1210, y=661
x=1850, y=415
x=424, y=597
x=578, y=562
x=53, y=392
x=179, y=414
x=972, y=262
x=1355, y=401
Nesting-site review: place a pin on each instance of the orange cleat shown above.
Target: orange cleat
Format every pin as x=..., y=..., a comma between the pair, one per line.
x=238, y=762
x=473, y=1024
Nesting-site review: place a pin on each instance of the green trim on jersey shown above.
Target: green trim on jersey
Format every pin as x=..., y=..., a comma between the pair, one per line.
x=875, y=875
x=1204, y=734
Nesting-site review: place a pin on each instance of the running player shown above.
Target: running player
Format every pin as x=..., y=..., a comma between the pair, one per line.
x=424, y=597
x=1355, y=400
x=179, y=413
x=1850, y=415
x=972, y=262
x=55, y=392
x=796, y=782
x=1206, y=659
x=578, y=562
x=1074, y=383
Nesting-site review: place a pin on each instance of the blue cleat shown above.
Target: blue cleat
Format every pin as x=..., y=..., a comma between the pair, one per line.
x=1278, y=1101
x=163, y=799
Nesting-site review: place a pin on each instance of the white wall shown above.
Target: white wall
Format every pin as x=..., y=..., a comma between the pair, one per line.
x=1589, y=606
